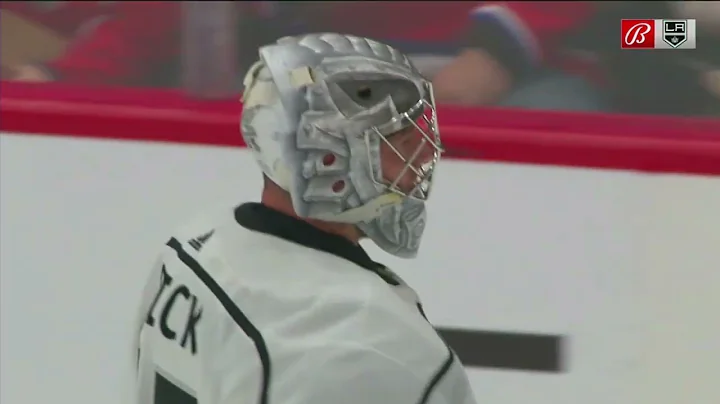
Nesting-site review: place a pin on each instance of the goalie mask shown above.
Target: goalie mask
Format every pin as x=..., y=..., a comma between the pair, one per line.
x=319, y=112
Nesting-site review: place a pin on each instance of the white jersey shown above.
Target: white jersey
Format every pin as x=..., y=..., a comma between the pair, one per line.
x=250, y=306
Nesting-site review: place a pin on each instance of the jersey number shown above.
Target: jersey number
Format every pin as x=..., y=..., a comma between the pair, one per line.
x=167, y=392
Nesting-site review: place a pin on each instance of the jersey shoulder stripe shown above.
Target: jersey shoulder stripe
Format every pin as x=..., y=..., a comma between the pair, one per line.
x=437, y=377
x=234, y=311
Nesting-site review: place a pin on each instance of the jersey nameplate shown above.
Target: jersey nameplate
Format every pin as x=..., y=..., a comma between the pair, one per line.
x=169, y=298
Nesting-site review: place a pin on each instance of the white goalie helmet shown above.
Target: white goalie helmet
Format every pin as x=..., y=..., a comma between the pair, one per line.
x=316, y=110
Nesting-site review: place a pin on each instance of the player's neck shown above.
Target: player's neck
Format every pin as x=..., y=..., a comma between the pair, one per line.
x=280, y=201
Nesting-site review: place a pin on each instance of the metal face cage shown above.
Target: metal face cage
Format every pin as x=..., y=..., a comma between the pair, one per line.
x=423, y=118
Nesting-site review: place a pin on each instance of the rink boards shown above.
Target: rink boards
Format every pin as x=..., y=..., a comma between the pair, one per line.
x=616, y=271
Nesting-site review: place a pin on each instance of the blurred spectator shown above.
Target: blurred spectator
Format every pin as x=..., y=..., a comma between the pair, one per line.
x=109, y=42
x=682, y=82
x=427, y=30
x=514, y=56
x=542, y=54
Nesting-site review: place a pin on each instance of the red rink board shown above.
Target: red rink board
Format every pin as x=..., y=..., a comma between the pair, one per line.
x=651, y=144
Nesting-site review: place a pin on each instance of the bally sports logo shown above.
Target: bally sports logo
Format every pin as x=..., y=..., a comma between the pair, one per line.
x=657, y=34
